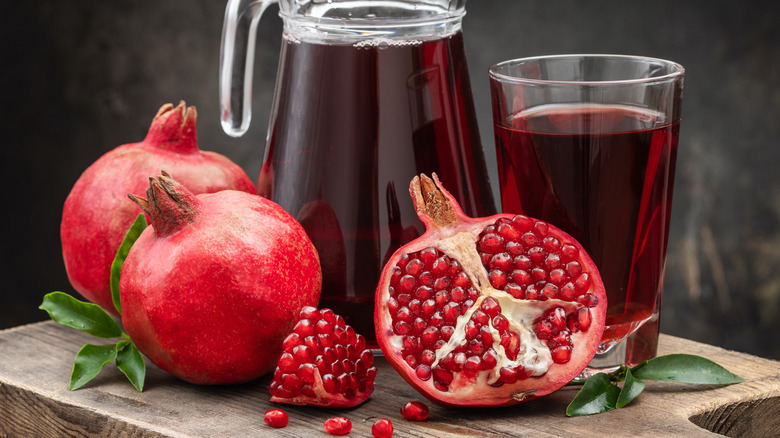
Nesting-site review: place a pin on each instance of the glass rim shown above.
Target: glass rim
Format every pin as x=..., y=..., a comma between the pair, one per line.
x=676, y=70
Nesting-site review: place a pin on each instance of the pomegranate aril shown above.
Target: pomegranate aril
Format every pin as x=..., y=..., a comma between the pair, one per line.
x=507, y=375
x=573, y=269
x=567, y=292
x=415, y=411
x=306, y=372
x=406, y=284
x=276, y=418
x=337, y=426
x=472, y=365
x=501, y=261
x=514, y=249
x=491, y=243
x=287, y=363
x=486, y=335
x=440, y=267
x=291, y=341
x=304, y=328
x=489, y=359
x=540, y=228
x=428, y=256
x=490, y=306
x=383, y=428
x=508, y=231
x=557, y=319
x=582, y=283
x=529, y=239
x=423, y=372
x=583, y=319
x=561, y=354
x=550, y=291
x=531, y=293
x=588, y=300
x=497, y=279
x=442, y=375
x=451, y=312
x=569, y=252
x=461, y=280
x=500, y=323
x=446, y=332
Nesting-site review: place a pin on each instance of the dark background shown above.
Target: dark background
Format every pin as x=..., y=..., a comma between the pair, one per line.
x=81, y=77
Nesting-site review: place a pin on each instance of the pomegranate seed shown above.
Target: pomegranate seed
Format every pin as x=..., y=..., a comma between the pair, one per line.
x=402, y=328
x=523, y=262
x=429, y=336
x=486, y=335
x=522, y=223
x=497, y=279
x=544, y=330
x=507, y=375
x=582, y=283
x=461, y=280
x=306, y=372
x=501, y=261
x=440, y=267
x=489, y=359
x=529, y=239
x=441, y=283
x=515, y=290
x=451, y=312
x=291, y=341
x=423, y=372
x=583, y=319
x=537, y=255
x=337, y=426
x=403, y=299
x=428, y=256
x=287, y=363
x=276, y=418
x=411, y=360
x=508, y=231
x=520, y=276
x=540, y=228
x=480, y=317
x=550, y=291
x=531, y=293
x=473, y=365
x=514, y=248
x=423, y=293
x=383, y=428
x=454, y=268
x=446, y=332
x=415, y=411
x=567, y=292
x=573, y=268
x=588, y=300
x=571, y=323
x=471, y=330
x=476, y=348
x=538, y=274
x=490, y=306
x=551, y=244
x=569, y=253
x=442, y=375
x=561, y=354
x=406, y=284
x=304, y=328
x=414, y=267
x=557, y=276
x=491, y=243
x=558, y=319
x=500, y=323
x=395, y=276
x=427, y=357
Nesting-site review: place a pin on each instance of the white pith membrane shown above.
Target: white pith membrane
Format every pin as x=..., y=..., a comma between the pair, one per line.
x=534, y=355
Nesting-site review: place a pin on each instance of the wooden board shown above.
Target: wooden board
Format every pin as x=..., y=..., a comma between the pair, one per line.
x=36, y=361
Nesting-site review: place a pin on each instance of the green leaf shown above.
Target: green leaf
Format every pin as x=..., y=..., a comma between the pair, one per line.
x=121, y=254
x=87, y=317
x=89, y=361
x=632, y=387
x=685, y=368
x=131, y=363
x=597, y=395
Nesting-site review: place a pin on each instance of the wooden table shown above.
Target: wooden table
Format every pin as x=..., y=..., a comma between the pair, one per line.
x=34, y=401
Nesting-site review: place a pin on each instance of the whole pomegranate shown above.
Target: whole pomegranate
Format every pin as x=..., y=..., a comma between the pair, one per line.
x=210, y=289
x=97, y=213
x=487, y=311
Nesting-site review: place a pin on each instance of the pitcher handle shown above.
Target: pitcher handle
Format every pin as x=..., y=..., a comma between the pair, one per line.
x=236, y=63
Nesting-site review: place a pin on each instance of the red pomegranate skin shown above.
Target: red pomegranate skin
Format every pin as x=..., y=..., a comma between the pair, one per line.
x=97, y=213
x=210, y=289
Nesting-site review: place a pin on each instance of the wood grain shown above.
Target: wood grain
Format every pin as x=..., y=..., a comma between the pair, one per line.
x=36, y=361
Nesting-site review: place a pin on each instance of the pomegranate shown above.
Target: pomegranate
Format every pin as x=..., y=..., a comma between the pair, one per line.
x=210, y=289
x=323, y=363
x=415, y=411
x=97, y=213
x=487, y=311
x=383, y=428
x=276, y=418
x=338, y=426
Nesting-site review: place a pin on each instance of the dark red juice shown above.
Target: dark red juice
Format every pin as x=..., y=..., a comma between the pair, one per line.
x=351, y=126
x=604, y=175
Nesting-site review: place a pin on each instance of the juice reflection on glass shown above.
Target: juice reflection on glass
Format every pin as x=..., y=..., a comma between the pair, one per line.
x=589, y=144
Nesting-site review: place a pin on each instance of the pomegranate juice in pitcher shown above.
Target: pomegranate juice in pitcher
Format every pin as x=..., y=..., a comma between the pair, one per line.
x=352, y=124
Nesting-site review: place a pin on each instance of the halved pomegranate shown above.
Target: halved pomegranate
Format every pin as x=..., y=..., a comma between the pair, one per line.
x=488, y=311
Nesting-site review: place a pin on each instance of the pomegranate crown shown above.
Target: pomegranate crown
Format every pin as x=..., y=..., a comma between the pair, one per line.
x=174, y=129
x=170, y=205
x=434, y=204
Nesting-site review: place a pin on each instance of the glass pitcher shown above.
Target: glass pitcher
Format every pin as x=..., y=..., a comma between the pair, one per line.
x=369, y=93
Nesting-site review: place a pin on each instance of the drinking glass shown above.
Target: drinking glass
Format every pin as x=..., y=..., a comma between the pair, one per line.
x=589, y=144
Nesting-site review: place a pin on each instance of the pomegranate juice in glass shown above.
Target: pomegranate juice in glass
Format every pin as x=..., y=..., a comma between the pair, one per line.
x=589, y=144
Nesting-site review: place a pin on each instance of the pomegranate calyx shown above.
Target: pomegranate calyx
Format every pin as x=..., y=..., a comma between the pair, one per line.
x=432, y=204
x=170, y=205
x=174, y=129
